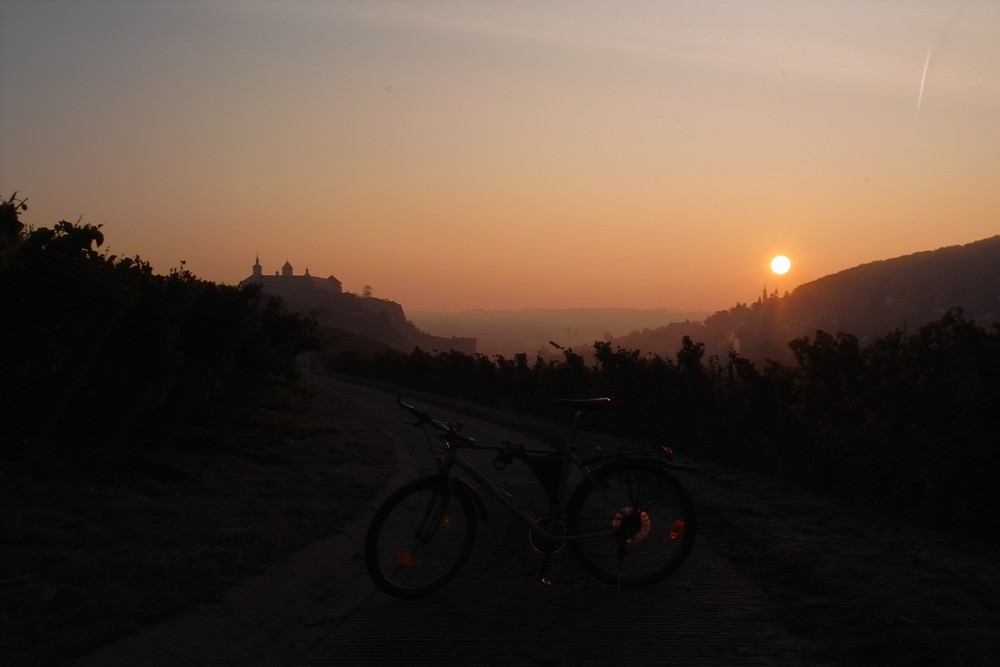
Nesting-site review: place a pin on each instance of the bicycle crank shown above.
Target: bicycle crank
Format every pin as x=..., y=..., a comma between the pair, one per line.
x=536, y=542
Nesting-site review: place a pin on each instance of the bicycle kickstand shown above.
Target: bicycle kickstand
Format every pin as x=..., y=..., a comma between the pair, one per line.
x=540, y=575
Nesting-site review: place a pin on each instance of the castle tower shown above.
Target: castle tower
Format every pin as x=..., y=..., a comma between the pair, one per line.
x=286, y=270
x=258, y=271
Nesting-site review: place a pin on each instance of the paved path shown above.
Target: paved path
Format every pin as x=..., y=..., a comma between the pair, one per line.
x=319, y=608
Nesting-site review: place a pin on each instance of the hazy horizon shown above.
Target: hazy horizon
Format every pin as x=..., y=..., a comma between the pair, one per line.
x=567, y=309
x=458, y=156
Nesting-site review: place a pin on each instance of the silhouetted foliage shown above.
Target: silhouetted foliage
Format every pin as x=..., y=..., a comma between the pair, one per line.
x=905, y=424
x=98, y=351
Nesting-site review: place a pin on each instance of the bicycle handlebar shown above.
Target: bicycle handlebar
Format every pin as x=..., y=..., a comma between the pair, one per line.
x=451, y=432
x=446, y=430
x=584, y=403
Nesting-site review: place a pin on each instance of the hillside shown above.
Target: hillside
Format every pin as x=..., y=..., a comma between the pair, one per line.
x=356, y=317
x=867, y=301
x=903, y=292
x=382, y=321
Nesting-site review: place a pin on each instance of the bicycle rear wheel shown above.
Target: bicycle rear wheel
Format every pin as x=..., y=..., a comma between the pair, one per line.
x=420, y=537
x=641, y=520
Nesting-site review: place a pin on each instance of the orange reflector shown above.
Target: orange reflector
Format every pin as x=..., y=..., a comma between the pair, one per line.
x=446, y=522
x=404, y=558
x=677, y=529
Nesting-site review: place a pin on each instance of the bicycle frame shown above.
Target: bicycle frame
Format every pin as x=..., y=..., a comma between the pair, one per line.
x=609, y=500
x=568, y=459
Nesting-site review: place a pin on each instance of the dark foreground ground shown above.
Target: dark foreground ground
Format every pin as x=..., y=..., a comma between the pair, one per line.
x=777, y=577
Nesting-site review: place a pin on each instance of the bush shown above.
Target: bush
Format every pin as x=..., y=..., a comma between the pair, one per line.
x=98, y=349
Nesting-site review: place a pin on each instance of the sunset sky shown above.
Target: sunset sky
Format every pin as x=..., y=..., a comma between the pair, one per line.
x=479, y=154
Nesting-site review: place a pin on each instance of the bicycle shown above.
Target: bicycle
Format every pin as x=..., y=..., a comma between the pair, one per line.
x=629, y=521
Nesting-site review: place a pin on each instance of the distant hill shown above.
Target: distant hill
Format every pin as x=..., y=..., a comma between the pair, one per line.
x=381, y=320
x=909, y=291
x=867, y=301
x=348, y=317
x=529, y=330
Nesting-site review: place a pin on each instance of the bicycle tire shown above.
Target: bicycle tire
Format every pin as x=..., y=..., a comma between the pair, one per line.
x=420, y=537
x=643, y=521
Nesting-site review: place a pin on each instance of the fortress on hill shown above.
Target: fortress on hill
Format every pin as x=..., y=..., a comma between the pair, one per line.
x=287, y=284
x=378, y=319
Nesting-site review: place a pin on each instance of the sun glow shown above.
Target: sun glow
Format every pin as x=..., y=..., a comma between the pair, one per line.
x=781, y=264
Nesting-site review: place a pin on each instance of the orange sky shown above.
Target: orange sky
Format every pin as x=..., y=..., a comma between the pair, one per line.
x=460, y=155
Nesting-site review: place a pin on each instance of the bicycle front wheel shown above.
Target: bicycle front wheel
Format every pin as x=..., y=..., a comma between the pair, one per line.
x=420, y=537
x=637, y=520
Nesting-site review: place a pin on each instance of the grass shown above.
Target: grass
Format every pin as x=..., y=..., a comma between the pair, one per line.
x=92, y=558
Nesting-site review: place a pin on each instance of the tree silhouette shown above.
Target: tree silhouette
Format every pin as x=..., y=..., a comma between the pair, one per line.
x=98, y=348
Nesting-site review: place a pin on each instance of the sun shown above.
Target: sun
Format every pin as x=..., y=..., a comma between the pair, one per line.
x=781, y=264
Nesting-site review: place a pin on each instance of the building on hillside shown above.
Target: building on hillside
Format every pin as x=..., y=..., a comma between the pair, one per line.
x=378, y=319
x=285, y=283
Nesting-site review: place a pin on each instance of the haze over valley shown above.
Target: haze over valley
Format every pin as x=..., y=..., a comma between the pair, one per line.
x=530, y=330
